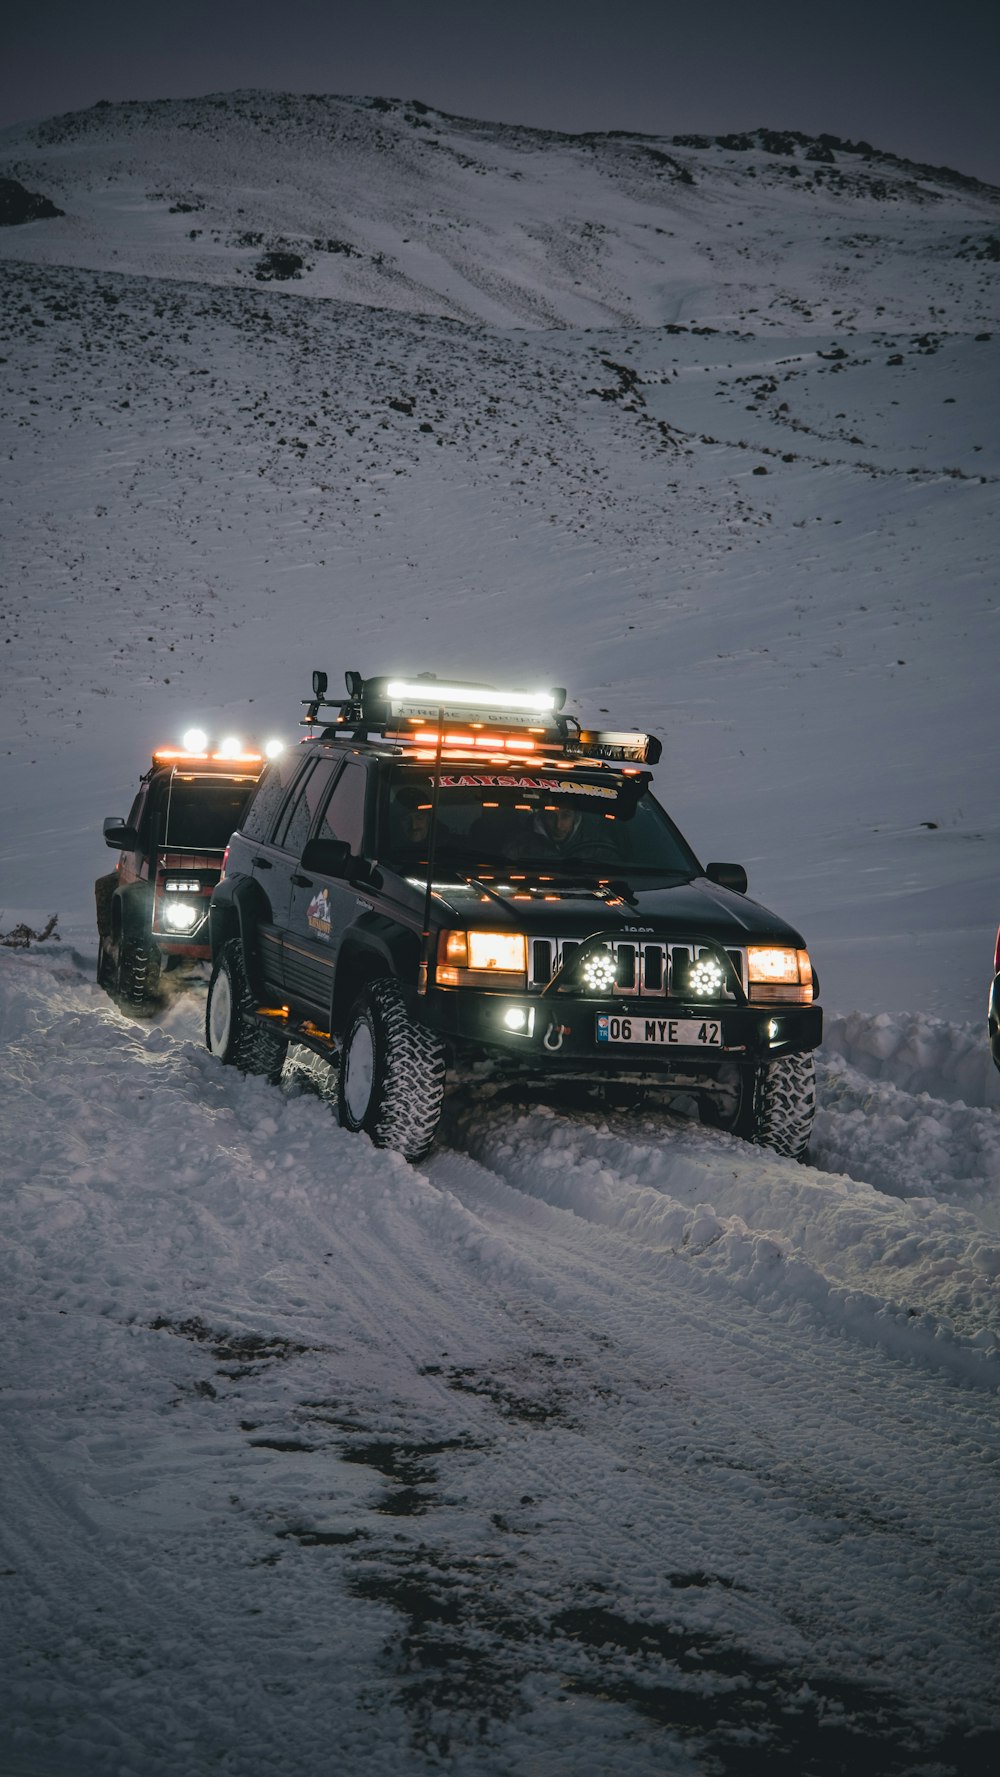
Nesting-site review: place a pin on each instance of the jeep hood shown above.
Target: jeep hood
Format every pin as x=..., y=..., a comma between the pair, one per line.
x=634, y=908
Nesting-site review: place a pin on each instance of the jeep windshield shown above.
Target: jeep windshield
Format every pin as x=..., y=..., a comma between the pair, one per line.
x=201, y=813
x=542, y=819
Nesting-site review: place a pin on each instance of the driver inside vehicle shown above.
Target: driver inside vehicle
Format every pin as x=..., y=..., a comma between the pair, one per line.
x=411, y=822
x=554, y=832
x=560, y=826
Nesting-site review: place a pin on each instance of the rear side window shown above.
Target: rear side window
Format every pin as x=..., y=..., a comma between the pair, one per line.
x=274, y=785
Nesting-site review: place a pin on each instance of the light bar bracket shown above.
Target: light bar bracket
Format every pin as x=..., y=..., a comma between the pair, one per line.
x=617, y=746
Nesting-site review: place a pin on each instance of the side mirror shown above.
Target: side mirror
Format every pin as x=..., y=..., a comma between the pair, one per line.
x=327, y=857
x=729, y=876
x=119, y=835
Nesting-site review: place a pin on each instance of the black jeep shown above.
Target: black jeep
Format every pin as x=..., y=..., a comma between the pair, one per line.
x=152, y=910
x=447, y=882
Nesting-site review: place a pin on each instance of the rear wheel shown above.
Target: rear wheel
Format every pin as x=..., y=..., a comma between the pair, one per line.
x=232, y=1033
x=391, y=1073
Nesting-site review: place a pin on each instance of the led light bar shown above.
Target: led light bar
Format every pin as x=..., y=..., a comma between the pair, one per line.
x=426, y=700
x=179, y=756
x=465, y=695
x=495, y=741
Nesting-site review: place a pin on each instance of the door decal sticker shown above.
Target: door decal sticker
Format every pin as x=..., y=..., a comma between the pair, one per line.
x=318, y=914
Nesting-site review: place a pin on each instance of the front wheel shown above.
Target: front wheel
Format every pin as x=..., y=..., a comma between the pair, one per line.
x=137, y=975
x=391, y=1073
x=231, y=1031
x=107, y=963
x=773, y=1105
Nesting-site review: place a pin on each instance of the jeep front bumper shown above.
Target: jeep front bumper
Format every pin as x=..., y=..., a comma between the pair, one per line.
x=610, y=1036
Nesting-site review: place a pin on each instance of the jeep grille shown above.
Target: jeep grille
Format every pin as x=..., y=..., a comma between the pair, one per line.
x=644, y=968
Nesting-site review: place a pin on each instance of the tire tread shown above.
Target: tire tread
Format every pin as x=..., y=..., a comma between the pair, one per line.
x=786, y=1105
x=253, y=1049
x=411, y=1072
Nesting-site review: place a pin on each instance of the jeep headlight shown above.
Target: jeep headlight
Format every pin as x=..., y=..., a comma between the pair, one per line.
x=779, y=975
x=482, y=959
x=180, y=916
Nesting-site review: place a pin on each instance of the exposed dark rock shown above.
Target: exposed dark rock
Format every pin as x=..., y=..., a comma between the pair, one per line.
x=17, y=204
x=777, y=141
x=987, y=248
x=278, y=265
x=673, y=166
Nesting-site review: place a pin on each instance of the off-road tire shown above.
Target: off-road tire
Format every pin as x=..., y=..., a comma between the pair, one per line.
x=391, y=1073
x=232, y=1033
x=775, y=1107
x=786, y=1105
x=136, y=975
x=107, y=964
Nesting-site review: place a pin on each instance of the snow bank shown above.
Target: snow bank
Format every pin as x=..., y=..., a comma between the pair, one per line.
x=917, y=1053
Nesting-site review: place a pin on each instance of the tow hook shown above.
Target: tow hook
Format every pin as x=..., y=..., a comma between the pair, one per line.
x=553, y=1038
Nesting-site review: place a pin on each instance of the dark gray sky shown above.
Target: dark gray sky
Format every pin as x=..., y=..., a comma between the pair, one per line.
x=920, y=79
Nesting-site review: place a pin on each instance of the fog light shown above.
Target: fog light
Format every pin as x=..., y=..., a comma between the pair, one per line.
x=773, y=1028
x=179, y=915
x=515, y=1018
x=599, y=971
x=706, y=978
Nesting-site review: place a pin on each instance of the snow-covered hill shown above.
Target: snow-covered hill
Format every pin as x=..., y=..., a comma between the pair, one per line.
x=596, y=1444
x=400, y=206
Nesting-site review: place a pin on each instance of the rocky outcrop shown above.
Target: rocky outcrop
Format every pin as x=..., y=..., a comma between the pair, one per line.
x=17, y=204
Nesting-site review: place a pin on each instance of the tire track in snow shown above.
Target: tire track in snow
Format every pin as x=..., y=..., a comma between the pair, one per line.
x=612, y=1444
x=790, y=1238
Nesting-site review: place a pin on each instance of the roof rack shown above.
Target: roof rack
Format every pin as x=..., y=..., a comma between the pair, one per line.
x=413, y=713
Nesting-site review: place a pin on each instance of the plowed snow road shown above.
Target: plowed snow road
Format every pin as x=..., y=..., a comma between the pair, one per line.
x=592, y=1444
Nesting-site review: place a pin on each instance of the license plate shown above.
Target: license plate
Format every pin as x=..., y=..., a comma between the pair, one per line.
x=692, y=1033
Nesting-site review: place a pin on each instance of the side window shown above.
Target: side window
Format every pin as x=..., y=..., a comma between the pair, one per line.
x=294, y=823
x=138, y=811
x=311, y=791
x=318, y=789
x=258, y=822
x=344, y=814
